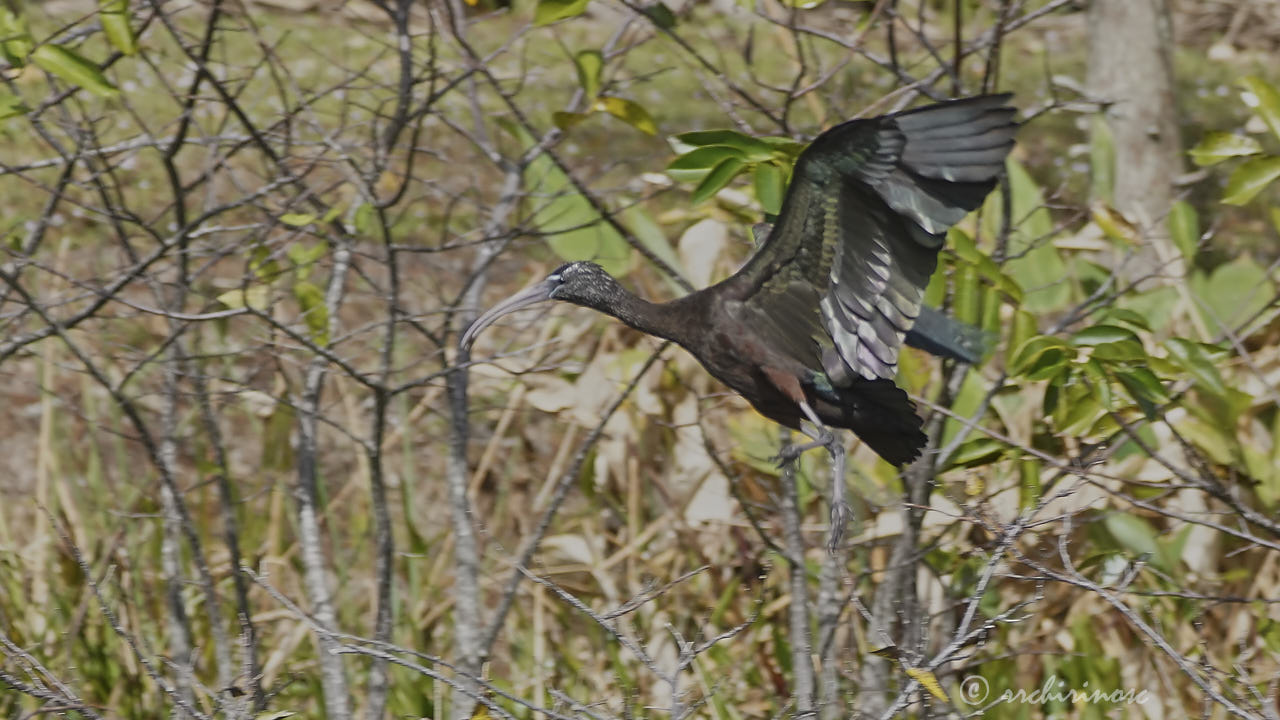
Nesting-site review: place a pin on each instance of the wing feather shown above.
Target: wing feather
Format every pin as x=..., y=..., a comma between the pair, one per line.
x=866, y=213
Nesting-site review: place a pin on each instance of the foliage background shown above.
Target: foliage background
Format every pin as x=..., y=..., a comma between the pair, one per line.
x=248, y=476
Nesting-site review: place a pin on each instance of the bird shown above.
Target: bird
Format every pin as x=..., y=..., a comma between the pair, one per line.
x=809, y=329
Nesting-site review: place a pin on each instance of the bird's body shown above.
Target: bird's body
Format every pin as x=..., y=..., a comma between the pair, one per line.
x=809, y=328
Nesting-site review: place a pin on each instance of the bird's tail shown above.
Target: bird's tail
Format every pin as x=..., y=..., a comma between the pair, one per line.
x=882, y=416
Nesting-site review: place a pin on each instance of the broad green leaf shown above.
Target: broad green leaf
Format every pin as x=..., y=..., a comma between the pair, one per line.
x=1184, y=228
x=305, y=256
x=73, y=69
x=629, y=112
x=1117, y=314
x=1099, y=334
x=755, y=149
x=566, y=120
x=1121, y=351
x=1250, y=178
x=660, y=14
x=589, y=64
x=650, y=234
x=1232, y=293
x=574, y=230
x=1036, y=264
x=297, y=219
x=16, y=42
x=1100, y=383
x=363, y=219
x=257, y=297
x=1144, y=388
x=770, y=186
x=1078, y=415
x=11, y=106
x=1221, y=446
x=1219, y=146
x=1021, y=330
x=1113, y=224
x=967, y=402
x=1133, y=533
x=549, y=11
x=694, y=165
x=1268, y=105
x=1195, y=360
x=966, y=295
x=716, y=180
x=114, y=16
x=314, y=312
x=1040, y=357
x=977, y=452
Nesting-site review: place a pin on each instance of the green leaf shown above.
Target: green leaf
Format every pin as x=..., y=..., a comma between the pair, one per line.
x=977, y=452
x=549, y=11
x=1099, y=334
x=311, y=298
x=1100, y=383
x=1268, y=106
x=1040, y=358
x=73, y=69
x=1144, y=388
x=574, y=230
x=255, y=296
x=716, y=180
x=590, y=64
x=629, y=112
x=1232, y=293
x=363, y=219
x=1120, y=351
x=1184, y=228
x=642, y=225
x=770, y=187
x=297, y=219
x=1250, y=178
x=16, y=42
x=694, y=165
x=1035, y=263
x=1194, y=359
x=114, y=16
x=1124, y=315
x=304, y=256
x=12, y=106
x=660, y=14
x=1133, y=533
x=754, y=149
x=566, y=120
x=1219, y=146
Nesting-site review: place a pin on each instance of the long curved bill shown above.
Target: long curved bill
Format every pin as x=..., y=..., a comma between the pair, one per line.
x=529, y=296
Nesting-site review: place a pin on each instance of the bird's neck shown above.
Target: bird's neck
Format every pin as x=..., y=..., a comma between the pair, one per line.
x=661, y=319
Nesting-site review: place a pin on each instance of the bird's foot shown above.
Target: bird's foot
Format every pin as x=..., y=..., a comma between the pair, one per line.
x=789, y=453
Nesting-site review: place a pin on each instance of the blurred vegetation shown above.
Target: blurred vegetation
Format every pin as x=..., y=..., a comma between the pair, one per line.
x=1104, y=485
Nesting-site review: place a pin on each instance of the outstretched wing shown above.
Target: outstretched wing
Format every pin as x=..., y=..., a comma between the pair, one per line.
x=844, y=269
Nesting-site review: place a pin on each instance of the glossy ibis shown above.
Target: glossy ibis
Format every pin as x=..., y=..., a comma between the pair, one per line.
x=808, y=330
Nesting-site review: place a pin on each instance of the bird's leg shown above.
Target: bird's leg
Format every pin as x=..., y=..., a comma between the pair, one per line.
x=821, y=436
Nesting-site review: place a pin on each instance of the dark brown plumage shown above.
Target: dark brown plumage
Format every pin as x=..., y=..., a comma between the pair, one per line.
x=810, y=327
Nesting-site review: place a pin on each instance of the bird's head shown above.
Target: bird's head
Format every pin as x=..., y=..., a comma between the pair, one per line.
x=581, y=283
